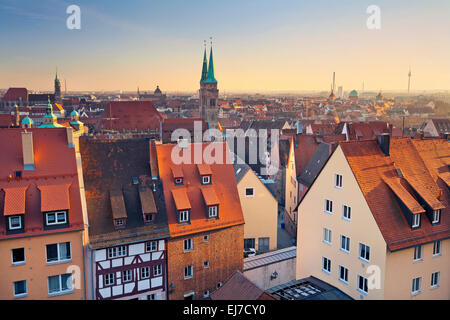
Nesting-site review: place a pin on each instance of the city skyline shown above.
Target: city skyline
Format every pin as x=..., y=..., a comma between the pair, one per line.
x=122, y=47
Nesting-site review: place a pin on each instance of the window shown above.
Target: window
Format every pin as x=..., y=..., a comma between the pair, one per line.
x=345, y=243
x=206, y=294
x=363, y=285
x=58, y=252
x=343, y=274
x=436, y=216
x=416, y=285
x=212, y=211
x=206, y=264
x=183, y=216
x=117, y=252
x=157, y=270
x=416, y=220
x=249, y=192
x=145, y=272
x=364, y=252
x=179, y=181
x=206, y=179
x=188, y=245
x=328, y=206
x=61, y=284
x=326, y=265
x=435, y=279
x=15, y=222
x=151, y=246
x=109, y=279
x=119, y=222
x=18, y=256
x=206, y=238
x=437, y=248
x=54, y=218
x=327, y=236
x=188, y=272
x=148, y=217
x=20, y=288
x=263, y=244
x=249, y=243
x=219, y=285
x=338, y=181
x=127, y=275
x=346, y=212
x=417, y=253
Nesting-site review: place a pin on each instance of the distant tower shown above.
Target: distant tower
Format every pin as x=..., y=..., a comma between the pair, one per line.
x=17, y=116
x=409, y=79
x=208, y=92
x=49, y=119
x=57, y=88
x=332, y=96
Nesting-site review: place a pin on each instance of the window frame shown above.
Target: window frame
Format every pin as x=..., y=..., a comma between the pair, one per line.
x=419, y=289
x=348, y=212
x=436, y=276
x=15, y=217
x=118, y=252
x=144, y=272
x=149, y=246
x=345, y=274
x=347, y=244
x=191, y=269
x=326, y=263
x=56, y=213
x=416, y=224
x=126, y=279
x=434, y=214
x=418, y=253
x=365, y=283
x=20, y=295
x=367, y=252
x=106, y=279
x=58, y=253
x=157, y=270
x=215, y=210
x=206, y=179
x=250, y=195
x=185, y=214
x=330, y=206
x=337, y=181
x=326, y=232
x=190, y=246
x=18, y=263
x=61, y=290
x=437, y=244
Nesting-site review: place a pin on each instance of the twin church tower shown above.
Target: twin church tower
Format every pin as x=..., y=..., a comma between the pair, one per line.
x=208, y=92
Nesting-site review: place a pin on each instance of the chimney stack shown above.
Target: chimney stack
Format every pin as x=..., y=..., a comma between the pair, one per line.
x=384, y=140
x=27, y=150
x=446, y=136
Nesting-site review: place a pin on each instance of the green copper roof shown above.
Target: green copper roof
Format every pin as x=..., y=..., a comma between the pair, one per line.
x=27, y=120
x=56, y=77
x=211, y=69
x=353, y=93
x=204, y=69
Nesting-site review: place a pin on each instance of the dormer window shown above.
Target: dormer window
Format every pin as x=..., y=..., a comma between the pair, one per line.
x=416, y=220
x=212, y=211
x=56, y=218
x=436, y=216
x=206, y=179
x=183, y=216
x=178, y=181
x=119, y=223
x=148, y=218
x=15, y=223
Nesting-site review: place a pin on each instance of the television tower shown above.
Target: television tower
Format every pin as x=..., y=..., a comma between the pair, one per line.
x=409, y=79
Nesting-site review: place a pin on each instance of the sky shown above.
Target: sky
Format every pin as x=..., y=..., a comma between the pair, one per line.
x=258, y=45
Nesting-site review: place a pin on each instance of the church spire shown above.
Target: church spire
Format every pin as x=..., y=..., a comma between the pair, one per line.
x=211, y=67
x=205, y=67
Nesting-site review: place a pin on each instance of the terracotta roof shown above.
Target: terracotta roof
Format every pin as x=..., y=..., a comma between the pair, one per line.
x=223, y=181
x=16, y=94
x=403, y=194
x=239, y=287
x=48, y=170
x=177, y=171
x=54, y=197
x=204, y=169
x=147, y=201
x=117, y=204
x=113, y=165
x=445, y=176
x=210, y=196
x=14, y=200
x=181, y=199
x=370, y=165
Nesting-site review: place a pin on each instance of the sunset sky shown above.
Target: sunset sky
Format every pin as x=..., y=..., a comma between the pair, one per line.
x=259, y=45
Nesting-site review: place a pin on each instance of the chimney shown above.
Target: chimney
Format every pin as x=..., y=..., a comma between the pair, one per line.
x=27, y=150
x=384, y=140
x=446, y=136
x=70, y=141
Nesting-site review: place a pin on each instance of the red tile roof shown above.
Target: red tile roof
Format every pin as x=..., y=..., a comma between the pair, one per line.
x=49, y=170
x=14, y=200
x=204, y=169
x=54, y=197
x=210, y=196
x=16, y=94
x=371, y=167
x=222, y=179
x=181, y=199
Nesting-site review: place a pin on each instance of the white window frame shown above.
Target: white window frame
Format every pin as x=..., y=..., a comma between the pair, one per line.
x=437, y=248
x=327, y=233
x=206, y=294
x=365, y=284
x=206, y=238
x=253, y=193
x=151, y=246
x=206, y=264
x=178, y=180
x=127, y=275
x=183, y=216
x=361, y=245
x=117, y=252
x=328, y=204
x=418, y=253
x=18, y=263
x=15, y=228
x=346, y=244
x=345, y=274
x=145, y=272
x=436, y=216
x=346, y=214
x=59, y=260
x=416, y=220
x=328, y=265
x=435, y=277
x=61, y=291
x=190, y=246
x=20, y=295
x=191, y=269
x=119, y=222
x=416, y=287
x=47, y=214
x=212, y=211
x=108, y=280
x=206, y=179
x=338, y=181
x=157, y=270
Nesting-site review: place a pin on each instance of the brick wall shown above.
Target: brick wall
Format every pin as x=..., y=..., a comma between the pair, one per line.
x=224, y=251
